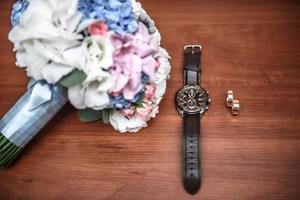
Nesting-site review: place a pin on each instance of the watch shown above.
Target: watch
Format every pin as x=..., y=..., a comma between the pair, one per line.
x=192, y=102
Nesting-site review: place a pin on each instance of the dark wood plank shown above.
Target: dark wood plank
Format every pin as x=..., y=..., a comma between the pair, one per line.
x=252, y=47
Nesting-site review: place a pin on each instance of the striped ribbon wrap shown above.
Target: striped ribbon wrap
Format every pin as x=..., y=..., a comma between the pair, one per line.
x=28, y=116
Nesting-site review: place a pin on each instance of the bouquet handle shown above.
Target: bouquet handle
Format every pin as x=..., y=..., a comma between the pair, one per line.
x=27, y=117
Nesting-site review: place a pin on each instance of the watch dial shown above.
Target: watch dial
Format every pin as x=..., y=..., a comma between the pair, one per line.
x=192, y=99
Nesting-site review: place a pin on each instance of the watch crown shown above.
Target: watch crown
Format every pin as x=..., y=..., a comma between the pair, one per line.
x=180, y=112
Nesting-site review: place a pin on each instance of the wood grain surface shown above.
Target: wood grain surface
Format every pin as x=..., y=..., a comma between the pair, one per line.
x=252, y=47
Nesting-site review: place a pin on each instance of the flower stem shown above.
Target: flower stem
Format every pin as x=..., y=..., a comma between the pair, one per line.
x=8, y=151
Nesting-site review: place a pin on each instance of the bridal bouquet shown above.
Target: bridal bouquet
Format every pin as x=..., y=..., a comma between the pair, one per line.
x=103, y=56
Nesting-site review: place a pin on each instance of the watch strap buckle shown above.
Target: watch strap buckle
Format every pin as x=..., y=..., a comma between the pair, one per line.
x=192, y=48
x=192, y=69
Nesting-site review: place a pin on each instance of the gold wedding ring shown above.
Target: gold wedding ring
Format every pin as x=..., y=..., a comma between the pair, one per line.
x=232, y=103
x=235, y=107
x=229, y=99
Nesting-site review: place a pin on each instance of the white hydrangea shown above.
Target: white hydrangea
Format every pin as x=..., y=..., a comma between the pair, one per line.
x=45, y=38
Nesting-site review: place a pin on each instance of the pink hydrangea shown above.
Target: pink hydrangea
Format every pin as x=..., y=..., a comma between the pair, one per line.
x=133, y=57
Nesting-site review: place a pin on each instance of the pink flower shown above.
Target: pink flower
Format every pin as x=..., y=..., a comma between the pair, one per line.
x=128, y=112
x=157, y=64
x=98, y=28
x=144, y=112
x=115, y=94
x=127, y=75
x=150, y=92
x=133, y=57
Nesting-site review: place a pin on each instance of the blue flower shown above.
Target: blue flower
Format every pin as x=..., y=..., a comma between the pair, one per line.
x=117, y=14
x=145, y=79
x=18, y=9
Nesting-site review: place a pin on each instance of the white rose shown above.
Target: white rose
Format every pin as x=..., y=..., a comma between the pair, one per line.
x=94, y=52
x=98, y=52
x=93, y=92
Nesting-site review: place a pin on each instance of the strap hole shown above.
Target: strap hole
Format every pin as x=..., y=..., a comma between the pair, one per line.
x=192, y=174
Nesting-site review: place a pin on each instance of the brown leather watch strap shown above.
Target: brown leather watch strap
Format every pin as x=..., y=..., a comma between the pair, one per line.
x=191, y=124
x=192, y=68
x=191, y=155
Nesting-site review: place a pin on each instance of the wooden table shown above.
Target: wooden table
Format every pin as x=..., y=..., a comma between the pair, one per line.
x=252, y=47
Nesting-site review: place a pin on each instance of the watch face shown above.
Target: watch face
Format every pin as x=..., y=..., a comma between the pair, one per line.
x=192, y=99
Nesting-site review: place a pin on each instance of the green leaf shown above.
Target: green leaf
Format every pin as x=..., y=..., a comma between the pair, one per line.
x=89, y=115
x=139, y=102
x=74, y=78
x=106, y=115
